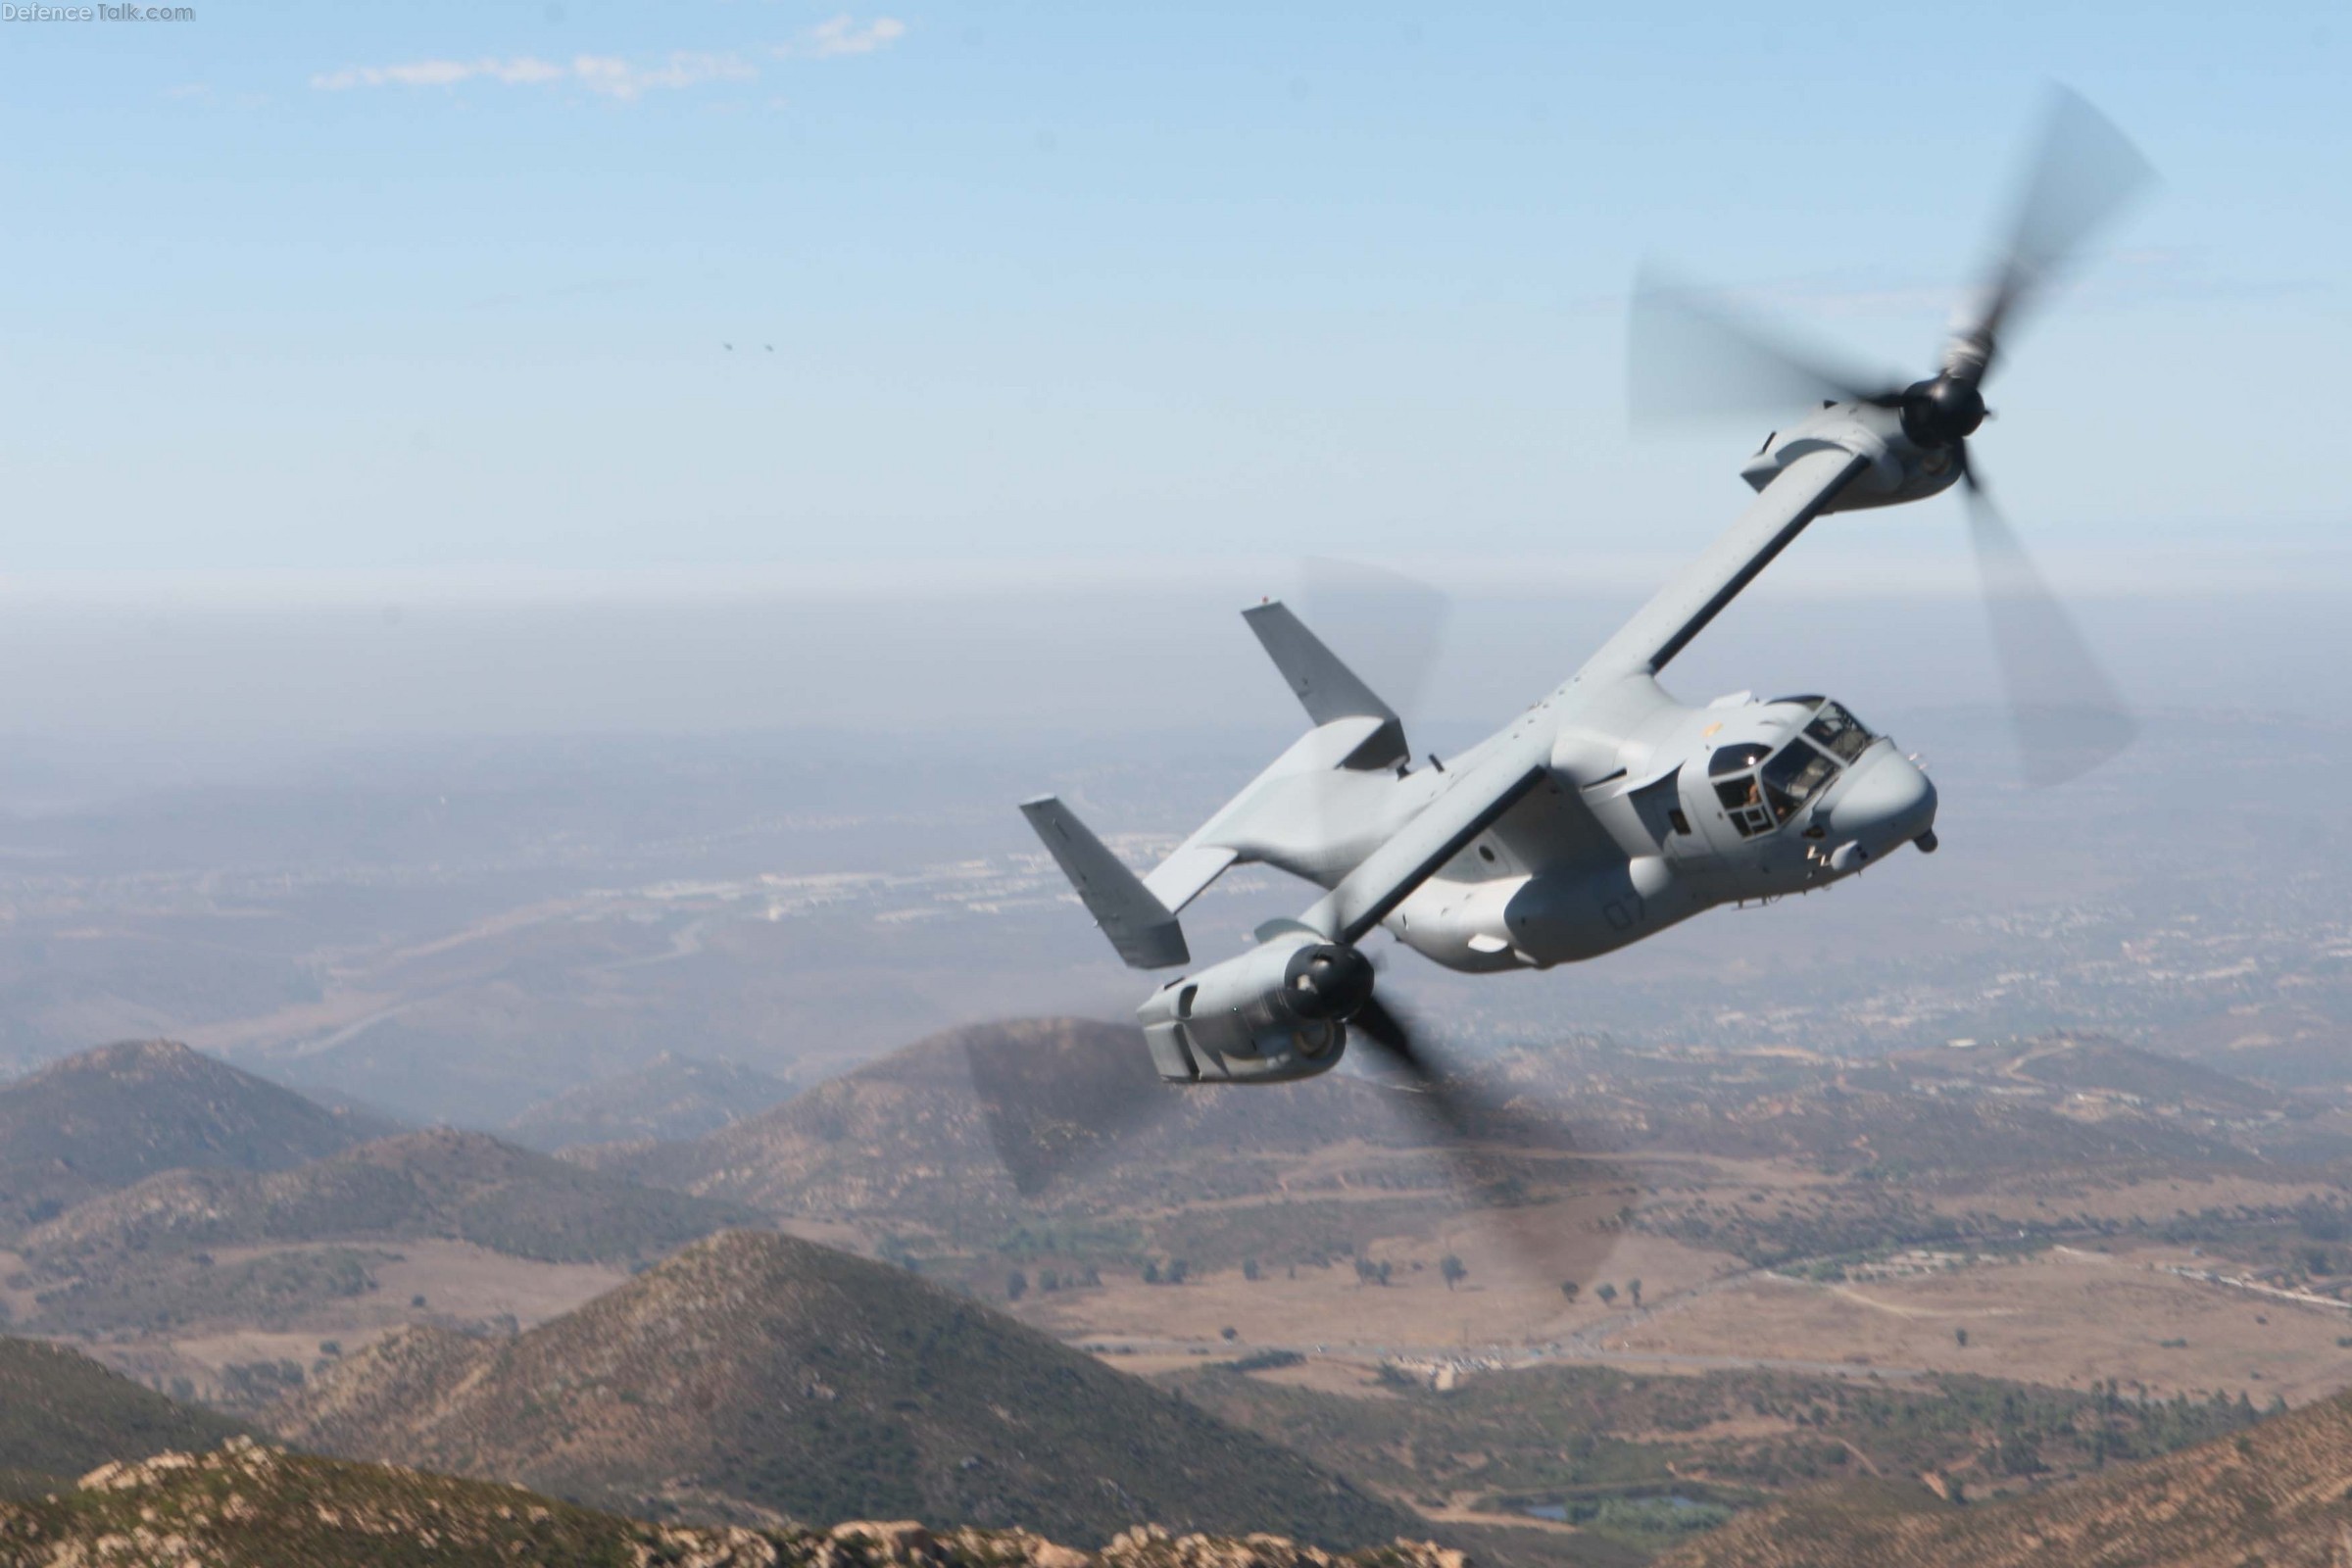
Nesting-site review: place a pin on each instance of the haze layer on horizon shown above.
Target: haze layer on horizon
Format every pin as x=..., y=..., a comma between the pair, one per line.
x=155, y=691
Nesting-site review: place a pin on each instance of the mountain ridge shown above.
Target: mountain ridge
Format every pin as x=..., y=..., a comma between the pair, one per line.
x=437, y=1182
x=754, y=1376
x=106, y=1118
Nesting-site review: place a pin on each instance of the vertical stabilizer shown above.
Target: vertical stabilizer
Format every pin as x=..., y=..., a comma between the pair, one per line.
x=1140, y=926
x=1326, y=688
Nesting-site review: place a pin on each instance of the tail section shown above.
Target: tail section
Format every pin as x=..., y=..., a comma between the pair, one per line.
x=1327, y=689
x=1315, y=812
x=1140, y=926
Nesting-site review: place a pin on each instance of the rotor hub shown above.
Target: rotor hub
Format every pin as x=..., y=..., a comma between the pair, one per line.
x=1327, y=981
x=1942, y=410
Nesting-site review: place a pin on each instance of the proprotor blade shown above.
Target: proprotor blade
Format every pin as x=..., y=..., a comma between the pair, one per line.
x=1444, y=1100
x=2082, y=174
x=2067, y=715
x=1690, y=356
x=1388, y=626
x=1056, y=1109
x=1559, y=1208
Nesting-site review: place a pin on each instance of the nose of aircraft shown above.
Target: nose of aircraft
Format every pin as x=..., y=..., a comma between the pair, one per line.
x=1887, y=803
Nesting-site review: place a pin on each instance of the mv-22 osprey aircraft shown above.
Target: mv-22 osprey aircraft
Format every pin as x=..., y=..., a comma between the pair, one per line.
x=1610, y=809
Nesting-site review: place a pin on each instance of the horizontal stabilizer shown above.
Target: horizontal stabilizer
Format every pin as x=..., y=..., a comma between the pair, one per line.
x=1326, y=688
x=1180, y=878
x=1140, y=926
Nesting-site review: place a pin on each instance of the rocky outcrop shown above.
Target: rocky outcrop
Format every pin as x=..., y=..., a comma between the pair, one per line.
x=249, y=1505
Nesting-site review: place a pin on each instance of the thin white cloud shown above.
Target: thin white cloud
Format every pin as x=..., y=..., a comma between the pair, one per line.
x=616, y=77
x=607, y=76
x=844, y=34
x=522, y=70
x=612, y=76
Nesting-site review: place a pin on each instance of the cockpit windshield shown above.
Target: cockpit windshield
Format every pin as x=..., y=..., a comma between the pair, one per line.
x=1838, y=732
x=1794, y=776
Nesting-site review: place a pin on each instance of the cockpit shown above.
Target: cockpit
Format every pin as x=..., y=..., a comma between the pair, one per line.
x=1762, y=784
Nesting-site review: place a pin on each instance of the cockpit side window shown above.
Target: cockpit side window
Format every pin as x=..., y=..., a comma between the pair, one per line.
x=1733, y=772
x=1840, y=732
x=1736, y=758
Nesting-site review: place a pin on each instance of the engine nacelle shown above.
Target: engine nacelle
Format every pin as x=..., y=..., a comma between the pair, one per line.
x=1278, y=1011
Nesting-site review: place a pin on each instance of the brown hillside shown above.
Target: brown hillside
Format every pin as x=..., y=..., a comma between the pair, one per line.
x=106, y=1118
x=2279, y=1494
x=755, y=1376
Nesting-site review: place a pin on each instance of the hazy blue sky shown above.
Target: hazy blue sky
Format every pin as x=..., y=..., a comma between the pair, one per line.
x=342, y=287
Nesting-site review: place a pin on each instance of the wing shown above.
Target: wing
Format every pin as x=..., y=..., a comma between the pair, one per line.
x=1483, y=794
x=1477, y=799
x=1662, y=628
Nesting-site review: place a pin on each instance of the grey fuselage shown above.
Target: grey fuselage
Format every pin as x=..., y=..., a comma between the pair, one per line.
x=1661, y=836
